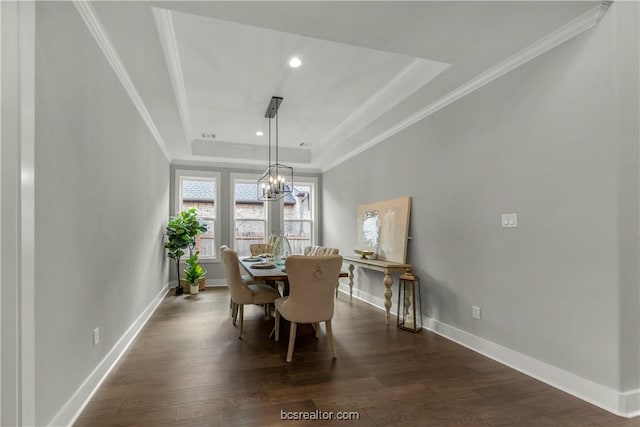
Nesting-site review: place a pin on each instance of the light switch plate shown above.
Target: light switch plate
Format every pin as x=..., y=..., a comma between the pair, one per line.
x=509, y=220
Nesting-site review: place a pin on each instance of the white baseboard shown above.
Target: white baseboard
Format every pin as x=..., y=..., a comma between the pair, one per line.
x=373, y=300
x=618, y=403
x=630, y=403
x=209, y=283
x=68, y=414
x=625, y=404
x=212, y=283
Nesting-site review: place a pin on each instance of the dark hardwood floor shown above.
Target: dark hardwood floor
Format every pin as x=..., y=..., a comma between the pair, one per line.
x=188, y=368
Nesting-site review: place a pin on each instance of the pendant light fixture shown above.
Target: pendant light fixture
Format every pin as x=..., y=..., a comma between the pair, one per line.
x=277, y=180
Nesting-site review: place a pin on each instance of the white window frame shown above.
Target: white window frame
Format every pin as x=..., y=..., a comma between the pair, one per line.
x=232, y=205
x=184, y=174
x=313, y=182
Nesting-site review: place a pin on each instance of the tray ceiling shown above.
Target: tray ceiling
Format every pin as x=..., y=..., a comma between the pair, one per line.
x=202, y=73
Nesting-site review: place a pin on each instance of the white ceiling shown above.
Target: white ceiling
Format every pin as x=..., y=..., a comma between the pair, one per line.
x=369, y=68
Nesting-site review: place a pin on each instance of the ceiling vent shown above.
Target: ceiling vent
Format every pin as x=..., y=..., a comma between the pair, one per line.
x=208, y=135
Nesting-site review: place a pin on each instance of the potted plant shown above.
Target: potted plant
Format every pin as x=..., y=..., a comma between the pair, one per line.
x=181, y=234
x=193, y=228
x=194, y=273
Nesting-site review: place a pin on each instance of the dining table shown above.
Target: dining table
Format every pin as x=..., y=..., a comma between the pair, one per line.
x=258, y=271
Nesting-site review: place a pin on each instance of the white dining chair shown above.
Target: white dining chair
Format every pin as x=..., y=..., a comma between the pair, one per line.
x=312, y=280
x=242, y=292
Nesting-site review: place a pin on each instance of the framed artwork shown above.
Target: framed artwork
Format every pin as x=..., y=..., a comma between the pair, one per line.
x=383, y=228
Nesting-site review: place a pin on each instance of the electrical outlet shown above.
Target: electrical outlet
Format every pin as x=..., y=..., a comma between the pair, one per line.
x=96, y=336
x=475, y=312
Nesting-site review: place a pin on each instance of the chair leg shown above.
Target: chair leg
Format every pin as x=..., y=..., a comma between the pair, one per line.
x=316, y=327
x=240, y=330
x=234, y=313
x=280, y=287
x=266, y=310
x=292, y=341
x=327, y=325
x=277, y=325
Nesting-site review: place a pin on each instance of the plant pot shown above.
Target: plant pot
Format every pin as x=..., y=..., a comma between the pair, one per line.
x=194, y=288
x=185, y=286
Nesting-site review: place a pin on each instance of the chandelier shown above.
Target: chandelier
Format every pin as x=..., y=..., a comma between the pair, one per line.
x=277, y=180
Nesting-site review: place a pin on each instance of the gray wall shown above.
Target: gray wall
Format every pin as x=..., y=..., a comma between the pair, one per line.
x=102, y=197
x=555, y=141
x=215, y=270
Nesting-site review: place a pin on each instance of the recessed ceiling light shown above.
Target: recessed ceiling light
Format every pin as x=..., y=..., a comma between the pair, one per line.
x=259, y=133
x=295, y=62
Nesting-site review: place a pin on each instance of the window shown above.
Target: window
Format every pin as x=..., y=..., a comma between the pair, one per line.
x=200, y=190
x=299, y=213
x=249, y=214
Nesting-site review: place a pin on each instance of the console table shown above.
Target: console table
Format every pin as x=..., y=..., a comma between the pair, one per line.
x=386, y=267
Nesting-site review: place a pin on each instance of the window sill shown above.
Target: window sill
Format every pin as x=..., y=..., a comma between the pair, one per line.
x=204, y=260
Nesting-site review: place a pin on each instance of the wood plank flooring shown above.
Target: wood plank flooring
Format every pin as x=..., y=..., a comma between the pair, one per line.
x=188, y=368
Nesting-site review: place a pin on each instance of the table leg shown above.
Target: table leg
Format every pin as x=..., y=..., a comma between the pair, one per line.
x=351, y=267
x=388, y=281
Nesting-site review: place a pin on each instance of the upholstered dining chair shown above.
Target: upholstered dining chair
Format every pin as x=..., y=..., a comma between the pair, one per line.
x=246, y=277
x=260, y=248
x=320, y=251
x=242, y=292
x=312, y=280
x=232, y=307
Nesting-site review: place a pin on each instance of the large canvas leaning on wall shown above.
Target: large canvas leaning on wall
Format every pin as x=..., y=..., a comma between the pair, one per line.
x=383, y=227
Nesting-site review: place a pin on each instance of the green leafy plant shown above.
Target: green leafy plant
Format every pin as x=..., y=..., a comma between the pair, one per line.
x=194, y=271
x=181, y=235
x=193, y=227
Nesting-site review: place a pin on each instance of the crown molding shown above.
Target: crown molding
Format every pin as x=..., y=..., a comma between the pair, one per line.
x=415, y=75
x=247, y=166
x=604, y=6
x=92, y=21
x=553, y=39
x=247, y=152
x=167, y=34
